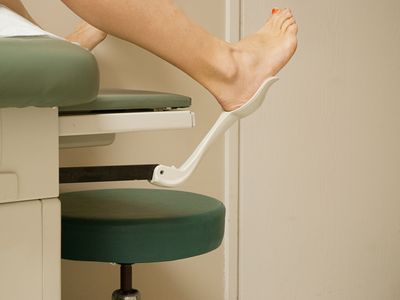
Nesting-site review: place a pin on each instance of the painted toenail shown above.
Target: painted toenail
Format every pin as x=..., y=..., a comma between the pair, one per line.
x=275, y=11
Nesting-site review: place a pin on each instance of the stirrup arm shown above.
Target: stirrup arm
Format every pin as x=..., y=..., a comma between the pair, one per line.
x=172, y=176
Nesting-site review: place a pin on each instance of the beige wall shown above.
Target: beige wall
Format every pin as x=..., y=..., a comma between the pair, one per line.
x=126, y=66
x=320, y=162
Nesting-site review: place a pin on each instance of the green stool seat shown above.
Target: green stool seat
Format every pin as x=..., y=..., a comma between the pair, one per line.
x=139, y=225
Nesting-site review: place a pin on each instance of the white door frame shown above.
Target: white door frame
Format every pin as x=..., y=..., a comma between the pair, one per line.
x=231, y=244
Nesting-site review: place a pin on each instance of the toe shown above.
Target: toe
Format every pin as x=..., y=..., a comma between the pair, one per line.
x=282, y=17
x=275, y=14
x=292, y=29
x=287, y=24
x=276, y=10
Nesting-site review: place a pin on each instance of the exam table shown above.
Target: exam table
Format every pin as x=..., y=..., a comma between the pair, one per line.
x=49, y=98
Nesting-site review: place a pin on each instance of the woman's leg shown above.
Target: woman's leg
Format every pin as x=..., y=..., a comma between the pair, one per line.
x=19, y=8
x=86, y=35
x=231, y=72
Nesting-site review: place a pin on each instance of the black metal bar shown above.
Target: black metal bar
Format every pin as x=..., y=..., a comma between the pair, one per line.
x=96, y=112
x=126, y=277
x=106, y=173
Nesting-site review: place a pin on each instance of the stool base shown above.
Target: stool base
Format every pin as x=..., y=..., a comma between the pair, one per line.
x=126, y=295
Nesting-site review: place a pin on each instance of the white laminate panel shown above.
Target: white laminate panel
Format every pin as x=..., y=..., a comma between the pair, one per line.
x=51, y=211
x=30, y=150
x=21, y=251
x=84, y=141
x=1, y=138
x=124, y=122
x=8, y=187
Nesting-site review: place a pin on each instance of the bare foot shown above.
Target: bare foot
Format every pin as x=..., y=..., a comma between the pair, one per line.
x=257, y=58
x=87, y=36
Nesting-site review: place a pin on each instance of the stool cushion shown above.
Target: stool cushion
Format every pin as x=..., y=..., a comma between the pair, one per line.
x=123, y=99
x=45, y=72
x=139, y=225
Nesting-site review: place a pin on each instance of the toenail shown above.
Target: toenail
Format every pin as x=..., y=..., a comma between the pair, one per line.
x=275, y=11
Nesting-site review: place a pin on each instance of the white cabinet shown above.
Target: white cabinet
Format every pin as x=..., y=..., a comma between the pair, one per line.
x=28, y=154
x=21, y=250
x=30, y=250
x=30, y=215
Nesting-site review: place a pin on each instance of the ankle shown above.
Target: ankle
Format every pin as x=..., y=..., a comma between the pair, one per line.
x=235, y=64
x=238, y=77
x=219, y=66
x=228, y=66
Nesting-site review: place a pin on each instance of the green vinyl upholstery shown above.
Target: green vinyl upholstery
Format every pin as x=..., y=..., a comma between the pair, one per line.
x=139, y=225
x=124, y=99
x=45, y=72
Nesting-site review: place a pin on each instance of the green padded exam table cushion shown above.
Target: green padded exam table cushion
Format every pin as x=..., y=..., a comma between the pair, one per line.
x=123, y=99
x=45, y=72
x=139, y=225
